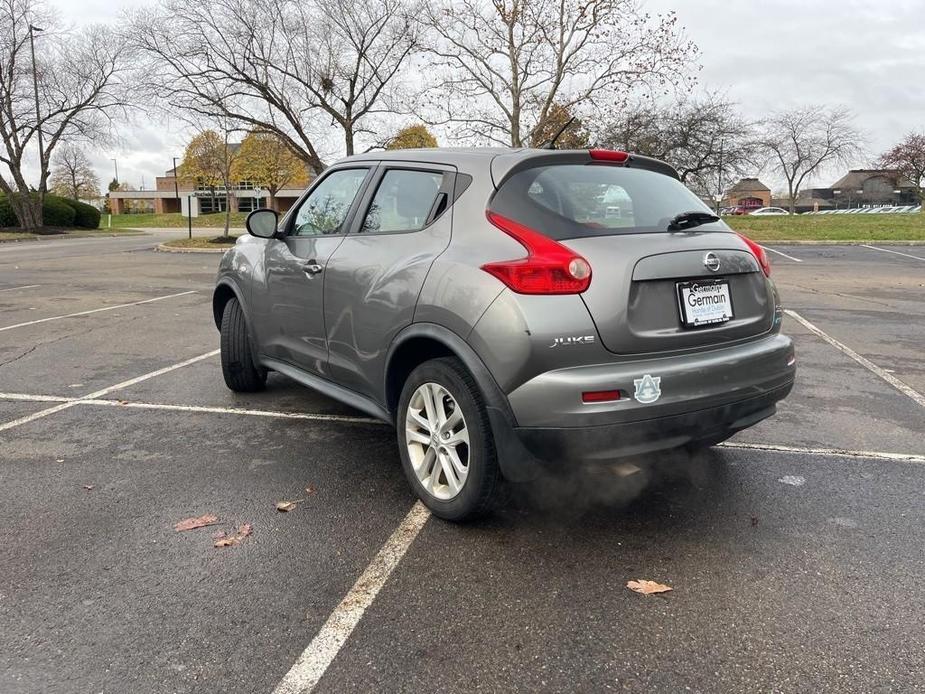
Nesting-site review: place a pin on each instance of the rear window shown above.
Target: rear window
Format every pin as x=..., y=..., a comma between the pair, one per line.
x=572, y=200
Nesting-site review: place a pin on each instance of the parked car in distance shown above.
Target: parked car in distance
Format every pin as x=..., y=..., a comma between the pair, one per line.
x=489, y=305
x=768, y=211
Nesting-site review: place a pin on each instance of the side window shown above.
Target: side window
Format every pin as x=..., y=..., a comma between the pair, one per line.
x=402, y=202
x=326, y=208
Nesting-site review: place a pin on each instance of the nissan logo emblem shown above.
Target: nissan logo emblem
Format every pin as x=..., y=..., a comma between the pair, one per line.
x=711, y=262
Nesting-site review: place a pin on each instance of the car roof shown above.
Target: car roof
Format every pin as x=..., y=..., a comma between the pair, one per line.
x=500, y=161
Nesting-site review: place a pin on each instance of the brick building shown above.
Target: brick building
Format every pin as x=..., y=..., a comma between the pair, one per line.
x=749, y=193
x=173, y=195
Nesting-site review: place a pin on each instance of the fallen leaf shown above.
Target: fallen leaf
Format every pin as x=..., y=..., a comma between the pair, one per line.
x=310, y=489
x=123, y=402
x=286, y=506
x=232, y=540
x=754, y=521
x=193, y=523
x=647, y=587
x=89, y=487
x=59, y=460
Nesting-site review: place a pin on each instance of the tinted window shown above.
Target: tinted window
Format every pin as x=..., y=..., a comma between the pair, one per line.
x=325, y=210
x=403, y=201
x=571, y=200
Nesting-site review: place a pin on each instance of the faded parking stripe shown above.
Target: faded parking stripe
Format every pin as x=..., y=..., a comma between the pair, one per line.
x=105, y=391
x=320, y=653
x=95, y=310
x=863, y=361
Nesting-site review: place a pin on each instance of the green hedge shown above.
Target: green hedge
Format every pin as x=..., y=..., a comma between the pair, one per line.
x=58, y=212
x=7, y=218
x=85, y=216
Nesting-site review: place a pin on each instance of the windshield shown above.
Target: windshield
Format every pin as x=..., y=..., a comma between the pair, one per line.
x=573, y=200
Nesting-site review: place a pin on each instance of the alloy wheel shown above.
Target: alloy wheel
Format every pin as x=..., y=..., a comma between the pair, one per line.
x=438, y=441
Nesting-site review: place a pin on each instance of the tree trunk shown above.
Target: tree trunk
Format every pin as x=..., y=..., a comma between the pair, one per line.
x=272, y=202
x=348, y=138
x=28, y=210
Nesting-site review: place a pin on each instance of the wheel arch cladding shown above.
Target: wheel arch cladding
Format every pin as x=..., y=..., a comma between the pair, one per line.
x=406, y=356
x=222, y=295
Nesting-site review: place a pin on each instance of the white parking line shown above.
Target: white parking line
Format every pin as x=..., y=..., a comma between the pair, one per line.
x=26, y=286
x=346, y=419
x=95, y=310
x=788, y=257
x=105, y=391
x=28, y=397
x=315, y=659
x=828, y=452
x=887, y=250
x=863, y=361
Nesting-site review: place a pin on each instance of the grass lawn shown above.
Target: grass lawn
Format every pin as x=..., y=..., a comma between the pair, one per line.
x=7, y=234
x=203, y=242
x=140, y=221
x=828, y=227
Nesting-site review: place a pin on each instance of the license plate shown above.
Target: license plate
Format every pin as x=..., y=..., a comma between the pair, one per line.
x=704, y=302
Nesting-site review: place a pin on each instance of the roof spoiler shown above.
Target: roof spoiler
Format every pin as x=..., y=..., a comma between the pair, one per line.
x=505, y=165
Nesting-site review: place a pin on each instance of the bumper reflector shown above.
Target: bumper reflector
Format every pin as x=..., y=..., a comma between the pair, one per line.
x=600, y=396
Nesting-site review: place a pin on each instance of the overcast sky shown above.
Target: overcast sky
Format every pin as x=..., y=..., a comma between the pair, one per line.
x=765, y=54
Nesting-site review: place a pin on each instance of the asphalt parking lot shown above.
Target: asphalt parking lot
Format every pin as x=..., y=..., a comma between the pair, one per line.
x=795, y=552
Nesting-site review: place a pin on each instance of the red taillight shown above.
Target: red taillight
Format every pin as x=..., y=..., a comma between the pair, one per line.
x=549, y=268
x=608, y=155
x=600, y=396
x=760, y=255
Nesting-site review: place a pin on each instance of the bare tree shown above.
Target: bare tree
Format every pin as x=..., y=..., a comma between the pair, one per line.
x=73, y=175
x=908, y=158
x=292, y=68
x=504, y=66
x=79, y=87
x=797, y=144
x=704, y=138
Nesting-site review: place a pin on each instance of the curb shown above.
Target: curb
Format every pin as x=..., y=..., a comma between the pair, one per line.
x=164, y=248
x=53, y=237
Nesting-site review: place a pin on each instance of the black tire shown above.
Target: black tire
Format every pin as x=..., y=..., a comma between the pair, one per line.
x=483, y=482
x=241, y=374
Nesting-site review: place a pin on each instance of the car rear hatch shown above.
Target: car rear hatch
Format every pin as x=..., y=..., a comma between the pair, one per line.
x=653, y=288
x=649, y=290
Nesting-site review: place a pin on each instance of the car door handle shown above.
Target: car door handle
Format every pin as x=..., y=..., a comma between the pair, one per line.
x=311, y=267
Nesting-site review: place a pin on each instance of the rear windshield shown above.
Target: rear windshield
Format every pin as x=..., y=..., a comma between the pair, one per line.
x=567, y=201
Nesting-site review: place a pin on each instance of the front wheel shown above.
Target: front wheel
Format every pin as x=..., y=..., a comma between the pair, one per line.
x=445, y=441
x=241, y=374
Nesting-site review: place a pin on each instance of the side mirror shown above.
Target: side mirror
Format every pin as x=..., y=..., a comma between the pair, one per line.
x=262, y=223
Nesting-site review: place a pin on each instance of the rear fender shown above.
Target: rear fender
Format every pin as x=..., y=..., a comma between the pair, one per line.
x=517, y=464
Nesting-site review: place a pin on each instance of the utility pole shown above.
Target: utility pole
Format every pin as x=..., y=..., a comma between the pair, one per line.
x=176, y=186
x=38, y=118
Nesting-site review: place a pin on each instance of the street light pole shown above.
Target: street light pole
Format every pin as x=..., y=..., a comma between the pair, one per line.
x=35, y=85
x=116, y=165
x=176, y=187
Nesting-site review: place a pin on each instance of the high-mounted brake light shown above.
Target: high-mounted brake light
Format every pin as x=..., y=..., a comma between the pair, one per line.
x=608, y=155
x=549, y=268
x=760, y=254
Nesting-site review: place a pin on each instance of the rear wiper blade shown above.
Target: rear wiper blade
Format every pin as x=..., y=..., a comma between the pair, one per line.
x=689, y=220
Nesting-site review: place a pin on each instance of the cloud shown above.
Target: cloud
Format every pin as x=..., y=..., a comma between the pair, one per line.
x=765, y=54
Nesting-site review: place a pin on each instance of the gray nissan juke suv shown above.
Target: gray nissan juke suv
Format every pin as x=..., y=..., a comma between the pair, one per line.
x=508, y=311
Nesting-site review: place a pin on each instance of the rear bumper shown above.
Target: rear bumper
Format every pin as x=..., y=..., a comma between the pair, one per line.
x=703, y=396
x=607, y=442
